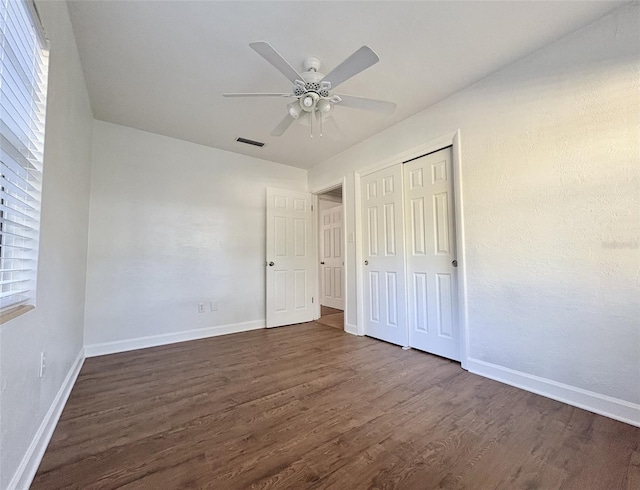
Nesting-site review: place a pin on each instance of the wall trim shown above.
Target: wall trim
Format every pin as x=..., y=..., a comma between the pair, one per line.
x=613, y=408
x=349, y=328
x=105, y=348
x=431, y=145
x=461, y=247
x=31, y=461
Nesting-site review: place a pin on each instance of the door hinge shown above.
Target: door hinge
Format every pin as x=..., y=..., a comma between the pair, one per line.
x=312, y=299
x=312, y=207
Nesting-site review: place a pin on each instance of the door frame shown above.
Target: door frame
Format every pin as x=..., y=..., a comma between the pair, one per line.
x=316, y=241
x=452, y=139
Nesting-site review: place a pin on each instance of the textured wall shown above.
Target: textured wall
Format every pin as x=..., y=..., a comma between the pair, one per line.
x=56, y=325
x=172, y=224
x=550, y=162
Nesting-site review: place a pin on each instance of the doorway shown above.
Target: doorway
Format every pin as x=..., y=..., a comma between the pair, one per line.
x=331, y=256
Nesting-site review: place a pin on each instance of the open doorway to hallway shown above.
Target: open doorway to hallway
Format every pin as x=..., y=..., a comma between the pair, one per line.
x=331, y=317
x=331, y=258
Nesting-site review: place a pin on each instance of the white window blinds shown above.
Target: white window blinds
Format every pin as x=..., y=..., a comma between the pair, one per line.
x=23, y=89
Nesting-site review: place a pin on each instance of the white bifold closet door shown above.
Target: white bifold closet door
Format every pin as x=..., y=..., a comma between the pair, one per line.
x=383, y=255
x=431, y=254
x=332, y=263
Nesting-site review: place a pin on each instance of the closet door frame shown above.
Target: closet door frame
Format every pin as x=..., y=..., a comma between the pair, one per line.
x=453, y=140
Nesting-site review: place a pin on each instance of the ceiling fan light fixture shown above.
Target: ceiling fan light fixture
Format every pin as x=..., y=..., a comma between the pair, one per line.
x=309, y=101
x=294, y=110
x=324, y=106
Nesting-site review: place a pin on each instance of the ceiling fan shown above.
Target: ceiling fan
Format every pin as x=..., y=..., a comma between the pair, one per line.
x=312, y=89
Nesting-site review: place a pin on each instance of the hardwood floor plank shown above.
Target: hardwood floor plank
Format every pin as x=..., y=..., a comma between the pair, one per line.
x=308, y=406
x=335, y=320
x=633, y=476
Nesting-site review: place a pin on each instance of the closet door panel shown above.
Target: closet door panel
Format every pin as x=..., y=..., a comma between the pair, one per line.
x=383, y=256
x=430, y=224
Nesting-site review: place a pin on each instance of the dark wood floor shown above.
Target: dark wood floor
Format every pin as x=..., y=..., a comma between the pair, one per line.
x=308, y=406
x=331, y=317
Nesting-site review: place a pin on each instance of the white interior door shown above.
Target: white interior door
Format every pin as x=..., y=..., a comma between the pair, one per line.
x=431, y=255
x=332, y=258
x=290, y=258
x=383, y=255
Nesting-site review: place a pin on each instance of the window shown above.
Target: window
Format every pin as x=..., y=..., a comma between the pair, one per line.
x=23, y=89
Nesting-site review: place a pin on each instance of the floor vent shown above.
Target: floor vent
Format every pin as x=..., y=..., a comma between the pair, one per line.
x=259, y=144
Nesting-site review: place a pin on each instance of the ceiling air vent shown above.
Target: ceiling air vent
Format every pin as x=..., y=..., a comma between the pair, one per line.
x=259, y=144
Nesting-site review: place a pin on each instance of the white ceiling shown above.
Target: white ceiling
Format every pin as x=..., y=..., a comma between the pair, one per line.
x=162, y=66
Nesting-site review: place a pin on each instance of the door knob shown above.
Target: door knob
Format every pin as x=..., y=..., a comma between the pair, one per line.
x=271, y=264
x=366, y=262
x=321, y=263
x=454, y=263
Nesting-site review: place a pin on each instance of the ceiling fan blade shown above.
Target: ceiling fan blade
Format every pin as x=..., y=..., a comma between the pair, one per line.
x=367, y=104
x=265, y=50
x=256, y=95
x=283, y=126
x=354, y=64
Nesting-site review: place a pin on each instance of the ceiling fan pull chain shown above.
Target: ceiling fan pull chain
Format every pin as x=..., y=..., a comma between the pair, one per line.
x=311, y=123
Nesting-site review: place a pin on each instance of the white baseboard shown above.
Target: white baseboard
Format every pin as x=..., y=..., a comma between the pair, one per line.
x=614, y=408
x=352, y=329
x=169, y=338
x=31, y=461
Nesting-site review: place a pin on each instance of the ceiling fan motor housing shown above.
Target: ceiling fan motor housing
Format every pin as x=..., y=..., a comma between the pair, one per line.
x=313, y=89
x=312, y=79
x=312, y=64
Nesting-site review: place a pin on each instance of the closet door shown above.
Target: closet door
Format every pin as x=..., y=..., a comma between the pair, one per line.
x=383, y=256
x=431, y=254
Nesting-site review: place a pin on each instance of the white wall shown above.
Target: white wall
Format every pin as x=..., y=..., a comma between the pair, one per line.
x=324, y=204
x=56, y=325
x=172, y=224
x=550, y=163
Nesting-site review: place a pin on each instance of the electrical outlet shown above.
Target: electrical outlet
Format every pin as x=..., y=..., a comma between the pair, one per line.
x=214, y=306
x=43, y=364
x=200, y=307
